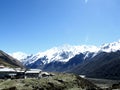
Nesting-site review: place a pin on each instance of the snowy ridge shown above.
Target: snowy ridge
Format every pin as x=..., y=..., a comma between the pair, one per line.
x=62, y=53
x=111, y=47
x=65, y=53
x=19, y=55
x=71, y=50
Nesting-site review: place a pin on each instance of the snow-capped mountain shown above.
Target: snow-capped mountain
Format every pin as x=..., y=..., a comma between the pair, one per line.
x=64, y=54
x=61, y=54
x=110, y=47
x=19, y=55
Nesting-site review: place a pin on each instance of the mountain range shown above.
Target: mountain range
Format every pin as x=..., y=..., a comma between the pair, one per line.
x=89, y=60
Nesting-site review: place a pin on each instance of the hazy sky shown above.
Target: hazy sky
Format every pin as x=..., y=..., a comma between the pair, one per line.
x=37, y=25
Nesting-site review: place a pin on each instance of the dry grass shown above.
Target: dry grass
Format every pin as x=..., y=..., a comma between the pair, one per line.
x=57, y=82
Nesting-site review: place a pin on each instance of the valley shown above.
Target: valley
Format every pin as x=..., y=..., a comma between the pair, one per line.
x=60, y=45
x=92, y=61
x=99, y=68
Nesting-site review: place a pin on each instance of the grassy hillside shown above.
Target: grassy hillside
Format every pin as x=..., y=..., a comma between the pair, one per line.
x=57, y=82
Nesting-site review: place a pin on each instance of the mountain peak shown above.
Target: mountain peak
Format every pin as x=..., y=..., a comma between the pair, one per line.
x=65, y=52
x=19, y=55
x=111, y=47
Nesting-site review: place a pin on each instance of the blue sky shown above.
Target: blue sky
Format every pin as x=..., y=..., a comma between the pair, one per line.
x=36, y=25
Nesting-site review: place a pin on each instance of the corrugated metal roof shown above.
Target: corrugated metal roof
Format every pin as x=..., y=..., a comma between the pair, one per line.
x=7, y=70
x=32, y=72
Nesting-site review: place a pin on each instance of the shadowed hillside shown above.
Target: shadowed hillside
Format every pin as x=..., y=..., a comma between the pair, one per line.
x=104, y=65
x=9, y=61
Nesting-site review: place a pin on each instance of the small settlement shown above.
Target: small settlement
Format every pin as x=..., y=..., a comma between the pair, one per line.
x=16, y=73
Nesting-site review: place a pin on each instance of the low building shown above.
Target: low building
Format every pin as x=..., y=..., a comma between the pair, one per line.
x=17, y=73
x=20, y=73
x=7, y=73
x=32, y=73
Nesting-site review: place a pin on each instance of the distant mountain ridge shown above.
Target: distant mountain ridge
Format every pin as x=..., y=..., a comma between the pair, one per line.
x=57, y=54
x=111, y=47
x=108, y=47
x=73, y=58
